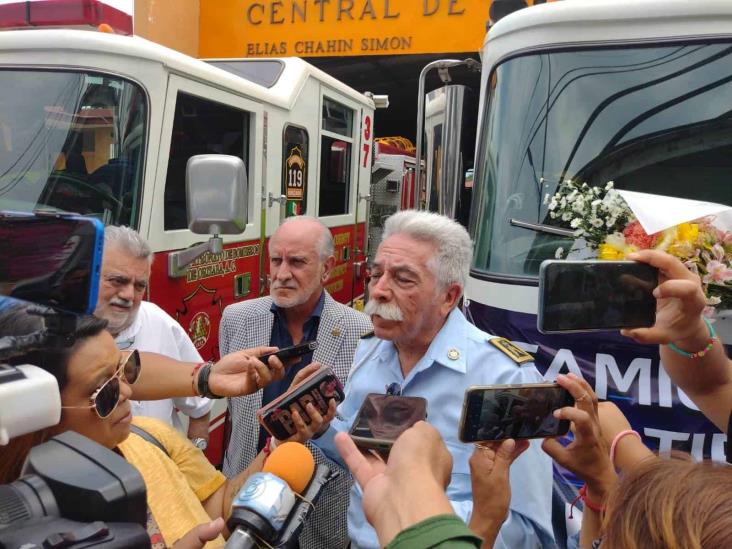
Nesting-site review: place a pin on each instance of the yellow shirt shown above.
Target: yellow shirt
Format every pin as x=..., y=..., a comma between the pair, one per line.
x=176, y=485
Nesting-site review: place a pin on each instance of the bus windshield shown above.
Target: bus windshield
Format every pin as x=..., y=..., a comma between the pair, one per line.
x=652, y=119
x=71, y=142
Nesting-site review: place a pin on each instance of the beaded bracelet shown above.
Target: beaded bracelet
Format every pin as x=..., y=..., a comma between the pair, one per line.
x=710, y=343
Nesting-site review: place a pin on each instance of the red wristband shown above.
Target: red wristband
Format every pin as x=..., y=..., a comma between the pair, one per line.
x=591, y=505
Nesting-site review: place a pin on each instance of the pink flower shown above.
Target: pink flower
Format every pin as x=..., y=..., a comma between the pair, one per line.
x=636, y=236
x=717, y=272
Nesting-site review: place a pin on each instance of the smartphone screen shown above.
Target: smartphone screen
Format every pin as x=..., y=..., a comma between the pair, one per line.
x=51, y=260
x=596, y=295
x=497, y=413
x=385, y=417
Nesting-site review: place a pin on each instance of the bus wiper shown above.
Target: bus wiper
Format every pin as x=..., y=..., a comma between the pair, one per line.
x=541, y=228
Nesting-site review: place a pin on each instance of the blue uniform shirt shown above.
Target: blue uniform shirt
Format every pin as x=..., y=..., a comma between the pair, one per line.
x=459, y=357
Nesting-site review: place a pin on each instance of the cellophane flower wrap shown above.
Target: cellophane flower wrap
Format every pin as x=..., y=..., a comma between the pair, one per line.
x=601, y=217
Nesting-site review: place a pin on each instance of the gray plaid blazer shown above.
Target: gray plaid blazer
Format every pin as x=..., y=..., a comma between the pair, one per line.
x=249, y=324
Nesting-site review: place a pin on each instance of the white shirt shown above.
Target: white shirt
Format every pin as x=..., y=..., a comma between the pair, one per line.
x=155, y=331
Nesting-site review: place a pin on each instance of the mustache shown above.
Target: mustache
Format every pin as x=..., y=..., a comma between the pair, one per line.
x=280, y=286
x=121, y=302
x=387, y=311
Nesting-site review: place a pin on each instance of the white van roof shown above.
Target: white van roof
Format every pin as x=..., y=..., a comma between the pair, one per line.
x=77, y=42
x=575, y=22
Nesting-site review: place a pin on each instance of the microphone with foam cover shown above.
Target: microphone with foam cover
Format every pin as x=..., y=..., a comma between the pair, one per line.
x=261, y=508
x=293, y=463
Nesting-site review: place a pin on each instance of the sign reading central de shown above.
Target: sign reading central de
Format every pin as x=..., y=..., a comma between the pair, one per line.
x=314, y=28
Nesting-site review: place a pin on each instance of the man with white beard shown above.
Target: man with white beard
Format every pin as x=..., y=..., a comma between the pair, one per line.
x=298, y=310
x=141, y=325
x=423, y=346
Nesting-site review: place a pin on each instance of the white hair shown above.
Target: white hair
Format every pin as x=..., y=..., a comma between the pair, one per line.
x=325, y=246
x=453, y=247
x=129, y=240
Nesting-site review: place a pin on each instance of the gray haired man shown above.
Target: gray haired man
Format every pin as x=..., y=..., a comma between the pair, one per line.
x=141, y=325
x=297, y=310
x=424, y=345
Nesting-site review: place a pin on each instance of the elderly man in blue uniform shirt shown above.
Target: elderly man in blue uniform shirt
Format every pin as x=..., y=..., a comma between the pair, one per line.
x=423, y=345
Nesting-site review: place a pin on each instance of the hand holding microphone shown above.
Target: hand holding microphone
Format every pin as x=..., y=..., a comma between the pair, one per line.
x=267, y=509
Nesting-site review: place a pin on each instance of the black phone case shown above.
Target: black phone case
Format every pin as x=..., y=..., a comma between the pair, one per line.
x=562, y=426
x=291, y=352
x=317, y=389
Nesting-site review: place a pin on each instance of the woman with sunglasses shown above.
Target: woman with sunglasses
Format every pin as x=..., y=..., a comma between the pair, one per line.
x=94, y=377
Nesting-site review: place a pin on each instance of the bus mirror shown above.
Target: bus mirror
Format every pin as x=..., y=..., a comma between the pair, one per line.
x=216, y=193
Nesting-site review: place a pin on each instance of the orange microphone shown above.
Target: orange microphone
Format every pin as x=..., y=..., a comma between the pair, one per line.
x=266, y=507
x=293, y=463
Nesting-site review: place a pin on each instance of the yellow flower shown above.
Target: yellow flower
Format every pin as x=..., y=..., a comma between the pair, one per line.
x=684, y=238
x=608, y=252
x=687, y=232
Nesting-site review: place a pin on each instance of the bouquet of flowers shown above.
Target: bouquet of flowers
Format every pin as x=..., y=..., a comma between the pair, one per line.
x=600, y=216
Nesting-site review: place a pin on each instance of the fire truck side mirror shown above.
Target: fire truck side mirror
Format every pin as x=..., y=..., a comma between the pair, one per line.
x=216, y=192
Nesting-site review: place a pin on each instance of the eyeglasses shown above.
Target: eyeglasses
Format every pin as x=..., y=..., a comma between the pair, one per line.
x=105, y=399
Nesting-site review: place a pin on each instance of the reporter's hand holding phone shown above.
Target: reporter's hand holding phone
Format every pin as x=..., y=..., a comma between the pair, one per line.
x=242, y=373
x=406, y=489
x=680, y=302
x=318, y=422
x=489, y=476
x=587, y=456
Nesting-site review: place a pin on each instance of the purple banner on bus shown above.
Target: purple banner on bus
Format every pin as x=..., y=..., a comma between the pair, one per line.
x=620, y=371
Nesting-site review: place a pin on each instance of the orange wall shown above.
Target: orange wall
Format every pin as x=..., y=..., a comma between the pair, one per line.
x=172, y=23
x=260, y=28
x=311, y=28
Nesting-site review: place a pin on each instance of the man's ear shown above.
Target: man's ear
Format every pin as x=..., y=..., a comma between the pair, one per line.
x=328, y=265
x=451, y=296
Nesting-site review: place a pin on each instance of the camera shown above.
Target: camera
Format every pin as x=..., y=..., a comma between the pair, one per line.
x=73, y=492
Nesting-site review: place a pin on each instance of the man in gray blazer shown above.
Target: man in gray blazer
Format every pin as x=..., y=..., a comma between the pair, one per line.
x=297, y=310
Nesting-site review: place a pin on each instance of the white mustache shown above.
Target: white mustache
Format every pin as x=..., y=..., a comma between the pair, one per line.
x=119, y=302
x=387, y=311
x=281, y=286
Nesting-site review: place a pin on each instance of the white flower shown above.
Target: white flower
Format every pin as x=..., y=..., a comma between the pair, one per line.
x=610, y=185
x=553, y=204
x=559, y=253
x=566, y=216
x=575, y=222
x=596, y=222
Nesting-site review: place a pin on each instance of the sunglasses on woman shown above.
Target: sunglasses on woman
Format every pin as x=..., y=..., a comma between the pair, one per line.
x=105, y=399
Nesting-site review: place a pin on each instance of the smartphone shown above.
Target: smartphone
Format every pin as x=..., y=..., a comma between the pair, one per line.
x=291, y=352
x=382, y=418
x=319, y=388
x=52, y=260
x=498, y=412
x=580, y=296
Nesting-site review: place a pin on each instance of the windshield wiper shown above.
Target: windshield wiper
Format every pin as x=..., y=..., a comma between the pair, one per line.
x=541, y=228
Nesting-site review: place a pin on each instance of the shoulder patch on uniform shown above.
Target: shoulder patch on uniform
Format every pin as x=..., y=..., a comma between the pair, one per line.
x=511, y=350
x=368, y=335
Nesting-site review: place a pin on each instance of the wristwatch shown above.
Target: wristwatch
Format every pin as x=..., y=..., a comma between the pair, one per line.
x=200, y=443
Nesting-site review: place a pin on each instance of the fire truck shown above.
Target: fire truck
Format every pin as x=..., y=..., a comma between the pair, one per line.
x=104, y=124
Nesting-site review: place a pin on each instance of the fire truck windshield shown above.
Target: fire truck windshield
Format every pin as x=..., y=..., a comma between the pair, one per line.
x=71, y=142
x=652, y=119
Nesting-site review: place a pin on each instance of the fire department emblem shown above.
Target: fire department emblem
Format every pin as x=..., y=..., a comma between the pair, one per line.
x=197, y=308
x=199, y=329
